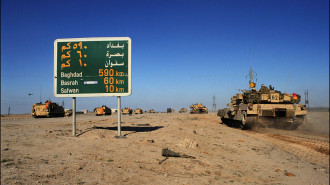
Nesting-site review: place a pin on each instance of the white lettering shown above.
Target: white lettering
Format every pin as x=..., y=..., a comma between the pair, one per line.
x=69, y=82
x=69, y=91
x=69, y=75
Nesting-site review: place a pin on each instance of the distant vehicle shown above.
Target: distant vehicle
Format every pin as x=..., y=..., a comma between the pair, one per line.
x=126, y=110
x=183, y=110
x=48, y=109
x=198, y=108
x=138, y=111
x=102, y=111
x=169, y=110
x=151, y=111
x=68, y=112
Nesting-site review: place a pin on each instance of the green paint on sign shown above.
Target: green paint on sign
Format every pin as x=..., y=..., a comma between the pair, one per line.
x=92, y=67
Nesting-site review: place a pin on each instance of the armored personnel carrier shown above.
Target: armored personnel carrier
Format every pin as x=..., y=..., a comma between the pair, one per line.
x=102, y=111
x=266, y=108
x=49, y=109
x=126, y=110
x=151, y=111
x=138, y=111
x=183, y=110
x=198, y=108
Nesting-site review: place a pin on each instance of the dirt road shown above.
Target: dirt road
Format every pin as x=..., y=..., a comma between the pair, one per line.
x=43, y=151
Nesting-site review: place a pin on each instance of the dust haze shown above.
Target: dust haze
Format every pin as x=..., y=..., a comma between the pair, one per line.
x=316, y=123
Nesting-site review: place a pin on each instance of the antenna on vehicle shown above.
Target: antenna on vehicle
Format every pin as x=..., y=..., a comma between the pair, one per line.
x=252, y=74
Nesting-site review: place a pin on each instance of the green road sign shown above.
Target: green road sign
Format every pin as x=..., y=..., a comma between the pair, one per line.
x=90, y=67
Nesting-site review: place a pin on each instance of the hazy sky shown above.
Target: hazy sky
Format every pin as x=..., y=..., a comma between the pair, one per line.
x=183, y=52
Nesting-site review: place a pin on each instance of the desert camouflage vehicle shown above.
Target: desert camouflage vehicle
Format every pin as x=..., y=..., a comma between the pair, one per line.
x=48, y=109
x=126, y=110
x=266, y=108
x=198, y=108
x=138, y=111
x=183, y=110
x=68, y=112
x=102, y=111
x=151, y=111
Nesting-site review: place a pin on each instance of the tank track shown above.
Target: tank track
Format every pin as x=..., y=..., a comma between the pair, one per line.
x=265, y=122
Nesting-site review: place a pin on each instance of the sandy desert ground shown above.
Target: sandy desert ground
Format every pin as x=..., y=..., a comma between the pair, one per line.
x=43, y=151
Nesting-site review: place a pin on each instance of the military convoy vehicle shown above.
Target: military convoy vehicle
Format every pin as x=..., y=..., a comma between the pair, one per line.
x=138, y=111
x=183, y=110
x=68, y=112
x=169, y=110
x=102, y=111
x=49, y=109
x=198, y=108
x=126, y=110
x=266, y=108
x=151, y=111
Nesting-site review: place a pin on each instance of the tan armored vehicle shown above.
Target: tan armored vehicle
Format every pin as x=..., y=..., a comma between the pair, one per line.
x=266, y=108
x=198, y=108
x=48, y=109
x=68, y=112
x=151, y=111
x=126, y=110
x=138, y=111
x=183, y=110
x=102, y=111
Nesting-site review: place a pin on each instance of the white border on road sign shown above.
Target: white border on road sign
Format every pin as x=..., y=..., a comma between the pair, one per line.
x=95, y=39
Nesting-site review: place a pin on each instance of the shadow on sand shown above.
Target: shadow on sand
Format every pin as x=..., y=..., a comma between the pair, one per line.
x=132, y=129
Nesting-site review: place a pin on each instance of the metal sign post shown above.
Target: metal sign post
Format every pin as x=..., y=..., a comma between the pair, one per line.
x=74, y=116
x=119, y=118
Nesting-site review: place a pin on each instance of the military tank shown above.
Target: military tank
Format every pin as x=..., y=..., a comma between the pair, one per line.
x=49, y=109
x=102, y=111
x=126, y=110
x=138, y=111
x=265, y=108
x=182, y=110
x=198, y=108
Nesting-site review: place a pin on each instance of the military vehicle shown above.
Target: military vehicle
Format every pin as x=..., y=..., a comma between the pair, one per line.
x=265, y=108
x=198, y=108
x=151, y=111
x=126, y=110
x=169, y=110
x=68, y=112
x=138, y=111
x=183, y=110
x=49, y=109
x=102, y=111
